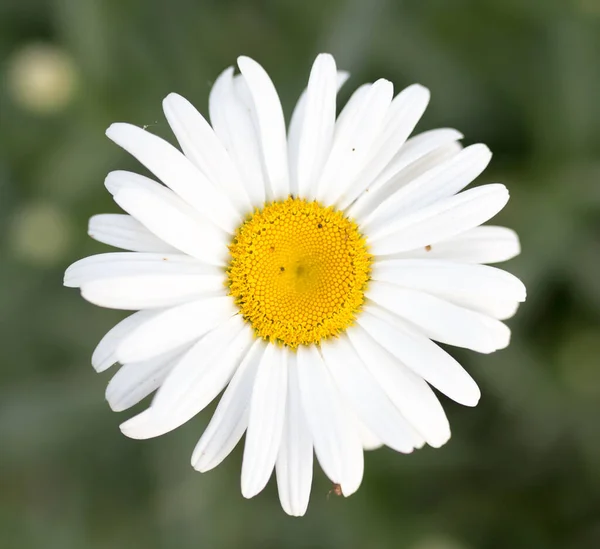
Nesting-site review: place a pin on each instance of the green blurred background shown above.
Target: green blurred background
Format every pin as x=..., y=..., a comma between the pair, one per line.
x=522, y=469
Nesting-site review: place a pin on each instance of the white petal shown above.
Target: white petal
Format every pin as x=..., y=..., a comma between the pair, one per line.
x=200, y=144
x=175, y=226
x=410, y=393
x=177, y=172
x=231, y=416
x=167, y=216
x=265, y=424
x=296, y=130
x=118, y=264
x=368, y=440
x=337, y=444
x=316, y=133
x=136, y=380
x=489, y=290
x=440, y=221
x=104, y=356
x=118, y=180
x=400, y=120
x=422, y=356
x=362, y=209
x=355, y=132
x=151, y=291
x=209, y=362
x=270, y=125
x=499, y=309
x=366, y=397
x=441, y=320
x=414, y=148
x=233, y=124
x=442, y=181
x=125, y=232
x=484, y=244
x=195, y=380
x=349, y=110
x=173, y=327
x=294, y=465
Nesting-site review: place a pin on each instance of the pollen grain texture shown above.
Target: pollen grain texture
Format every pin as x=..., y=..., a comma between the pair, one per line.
x=298, y=272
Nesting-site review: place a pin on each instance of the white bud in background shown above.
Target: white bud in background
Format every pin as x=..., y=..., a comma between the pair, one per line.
x=40, y=233
x=41, y=78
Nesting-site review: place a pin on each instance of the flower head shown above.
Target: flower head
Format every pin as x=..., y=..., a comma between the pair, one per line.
x=307, y=273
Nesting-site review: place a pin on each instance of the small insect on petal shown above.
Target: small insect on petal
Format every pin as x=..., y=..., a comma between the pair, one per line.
x=336, y=490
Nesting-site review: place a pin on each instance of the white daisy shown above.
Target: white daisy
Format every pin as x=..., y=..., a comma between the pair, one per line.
x=306, y=274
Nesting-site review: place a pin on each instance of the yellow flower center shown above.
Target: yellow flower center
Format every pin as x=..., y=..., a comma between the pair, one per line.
x=298, y=272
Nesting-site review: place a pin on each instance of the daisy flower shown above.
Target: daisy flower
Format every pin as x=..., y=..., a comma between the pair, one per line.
x=307, y=274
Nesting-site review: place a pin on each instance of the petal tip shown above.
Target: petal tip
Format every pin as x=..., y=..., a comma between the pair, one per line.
x=325, y=57
x=384, y=83
x=293, y=512
x=136, y=427
x=101, y=363
x=420, y=89
x=472, y=399
x=111, y=181
x=114, y=128
x=67, y=279
x=249, y=491
x=245, y=61
x=482, y=150
x=113, y=403
x=172, y=96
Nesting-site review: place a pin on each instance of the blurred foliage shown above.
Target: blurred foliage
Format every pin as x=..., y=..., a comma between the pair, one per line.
x=522, y=470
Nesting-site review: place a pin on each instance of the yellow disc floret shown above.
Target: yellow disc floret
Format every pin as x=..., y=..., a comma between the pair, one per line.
x=298, y=272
